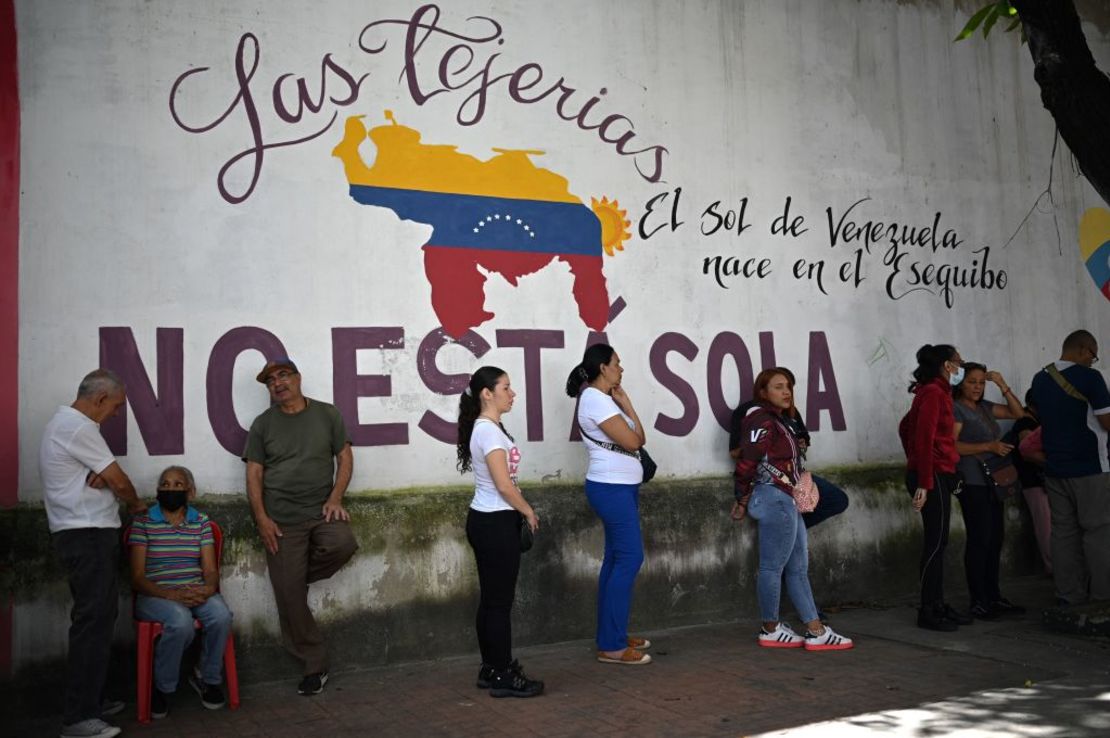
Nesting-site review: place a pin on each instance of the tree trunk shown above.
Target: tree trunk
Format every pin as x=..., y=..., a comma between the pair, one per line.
x=1073, y=89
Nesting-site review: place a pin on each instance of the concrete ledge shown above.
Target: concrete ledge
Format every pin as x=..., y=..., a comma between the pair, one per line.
x=411, y=590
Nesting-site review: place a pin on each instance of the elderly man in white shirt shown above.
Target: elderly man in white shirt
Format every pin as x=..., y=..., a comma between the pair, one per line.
x=81, y=483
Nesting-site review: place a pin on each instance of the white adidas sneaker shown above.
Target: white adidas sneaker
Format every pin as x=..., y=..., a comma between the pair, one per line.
x=783, y=636
x=830, y=640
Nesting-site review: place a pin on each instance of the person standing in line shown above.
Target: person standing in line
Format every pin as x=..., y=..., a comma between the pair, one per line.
x=979, y=436
x=928, y=437
x=82, y=484
x=613, y=434
x=493, y=526
x=299, y=463
x=767, y=471
x=1074, y=405
x=1030, y=468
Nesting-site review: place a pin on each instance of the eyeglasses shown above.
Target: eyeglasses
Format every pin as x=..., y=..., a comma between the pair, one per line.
x=278, y=377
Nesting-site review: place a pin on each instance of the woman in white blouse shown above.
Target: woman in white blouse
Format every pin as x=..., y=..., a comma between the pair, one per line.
x=613, y=434
x=493, y=526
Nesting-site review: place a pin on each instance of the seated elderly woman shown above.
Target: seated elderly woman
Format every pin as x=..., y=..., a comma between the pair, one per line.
x=175, y=575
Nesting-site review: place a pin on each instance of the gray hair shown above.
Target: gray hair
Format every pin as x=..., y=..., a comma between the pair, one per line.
x=184, y=471
x=98, y=381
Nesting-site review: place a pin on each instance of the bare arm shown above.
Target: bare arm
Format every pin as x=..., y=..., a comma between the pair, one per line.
x=345, y=464
x=624, y=402
x=1104, y=421
x=989, y=447
x=121, y=486
x=267, y=528
x=1013, y=409
x=498, y=462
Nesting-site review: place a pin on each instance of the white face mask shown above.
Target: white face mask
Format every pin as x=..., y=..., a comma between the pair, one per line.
x=956, y=377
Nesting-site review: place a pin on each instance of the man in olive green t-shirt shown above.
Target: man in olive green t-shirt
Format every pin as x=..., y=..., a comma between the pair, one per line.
x=299, y=464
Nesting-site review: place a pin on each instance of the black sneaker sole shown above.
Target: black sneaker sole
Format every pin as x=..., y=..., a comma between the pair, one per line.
x=498, y=693
x=482, y=684
x=312, y=692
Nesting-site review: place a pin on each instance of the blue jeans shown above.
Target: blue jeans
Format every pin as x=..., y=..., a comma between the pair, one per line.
x=618, y=506
x=832, y=501
x=177, y=634
x=782, y=547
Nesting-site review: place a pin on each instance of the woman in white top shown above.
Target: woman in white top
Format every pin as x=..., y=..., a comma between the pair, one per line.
x=493, y=526
x=613, y=435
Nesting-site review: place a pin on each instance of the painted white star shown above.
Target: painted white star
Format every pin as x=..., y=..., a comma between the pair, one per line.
x=518, y=221
x=475, y=230
x=497, y=217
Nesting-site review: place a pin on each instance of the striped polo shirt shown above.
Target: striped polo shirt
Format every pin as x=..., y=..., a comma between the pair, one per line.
x=172, y=553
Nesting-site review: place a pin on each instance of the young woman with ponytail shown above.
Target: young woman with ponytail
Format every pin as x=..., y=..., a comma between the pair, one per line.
x=493, y=526
x=606, y=418
x=928, y=437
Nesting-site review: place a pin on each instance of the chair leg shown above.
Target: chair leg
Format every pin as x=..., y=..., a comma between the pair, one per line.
x=232, y=673
x=144, y=662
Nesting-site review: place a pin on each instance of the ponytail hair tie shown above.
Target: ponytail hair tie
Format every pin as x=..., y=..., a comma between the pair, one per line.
x=467, y=391
x=582, y=373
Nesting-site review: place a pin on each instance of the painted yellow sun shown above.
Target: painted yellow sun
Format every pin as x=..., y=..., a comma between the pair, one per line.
x=614, y=228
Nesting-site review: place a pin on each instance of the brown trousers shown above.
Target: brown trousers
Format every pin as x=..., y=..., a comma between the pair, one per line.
x=307, y=552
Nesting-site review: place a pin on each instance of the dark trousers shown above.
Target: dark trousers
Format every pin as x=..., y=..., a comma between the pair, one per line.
x=935, y=517
x=983, y=520
x=307, y=552
x=91, y=560
x=831, y=501
x=495, y=538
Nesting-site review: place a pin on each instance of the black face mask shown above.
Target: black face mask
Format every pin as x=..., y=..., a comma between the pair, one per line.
x=172, y=500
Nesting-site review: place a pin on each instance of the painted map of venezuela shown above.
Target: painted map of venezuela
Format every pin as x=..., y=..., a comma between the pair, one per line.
x=505, y=215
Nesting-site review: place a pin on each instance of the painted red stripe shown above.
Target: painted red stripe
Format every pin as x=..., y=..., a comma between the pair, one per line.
x=9, y=254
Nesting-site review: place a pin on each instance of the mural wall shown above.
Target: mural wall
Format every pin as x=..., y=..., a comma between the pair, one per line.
x=394, y=194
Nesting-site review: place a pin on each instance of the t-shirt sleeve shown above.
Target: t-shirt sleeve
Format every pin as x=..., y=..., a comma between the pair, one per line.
x=597, y=407
x=256, y=449
x=339, y=437
x=89, y=447
x=1097, y=393
x=488, y=437
x=207, y=538
x=138, y=535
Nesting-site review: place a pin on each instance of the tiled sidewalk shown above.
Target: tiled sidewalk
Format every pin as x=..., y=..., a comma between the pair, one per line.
x=705, y=681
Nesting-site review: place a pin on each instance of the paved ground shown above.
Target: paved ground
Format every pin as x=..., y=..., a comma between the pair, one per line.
x=1003, y=678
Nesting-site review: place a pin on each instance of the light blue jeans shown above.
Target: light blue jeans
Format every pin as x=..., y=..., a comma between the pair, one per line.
x=177, y=634
x=782, y=547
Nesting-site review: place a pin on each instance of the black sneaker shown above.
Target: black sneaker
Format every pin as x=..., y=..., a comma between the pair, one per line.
x=211, y=695
x=485, y=676
x=512, y=682
x=1004, y=607
x=159, y=703
x=313, y=684
x=950, y=613
x=931, y=619
x=984, y=612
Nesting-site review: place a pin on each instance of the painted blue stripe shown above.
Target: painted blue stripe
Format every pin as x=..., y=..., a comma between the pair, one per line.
x=1098, y=264
x=496, y=223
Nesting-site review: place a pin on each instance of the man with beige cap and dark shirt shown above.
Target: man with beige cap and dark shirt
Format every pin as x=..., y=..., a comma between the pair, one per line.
x=299, y=464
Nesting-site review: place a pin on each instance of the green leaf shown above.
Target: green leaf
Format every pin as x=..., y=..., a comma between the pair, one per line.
x=1012, y=26
x=992, y=18
x=974, y=22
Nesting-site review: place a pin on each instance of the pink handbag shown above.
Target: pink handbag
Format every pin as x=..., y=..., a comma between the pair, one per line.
x=805, y=493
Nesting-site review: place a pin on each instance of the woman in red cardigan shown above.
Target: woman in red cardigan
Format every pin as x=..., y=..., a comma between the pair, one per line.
x=928, y=437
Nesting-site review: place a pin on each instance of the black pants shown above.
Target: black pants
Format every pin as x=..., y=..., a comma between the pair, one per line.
x=935, y=517
x=495, y=538
x=983, y=519
x=90, y=557
x=831, y=501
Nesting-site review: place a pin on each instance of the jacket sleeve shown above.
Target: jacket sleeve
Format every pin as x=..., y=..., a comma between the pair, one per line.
x=756, y=434
x=924, y=434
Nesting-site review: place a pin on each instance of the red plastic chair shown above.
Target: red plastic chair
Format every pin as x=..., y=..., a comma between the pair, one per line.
x=145, y=633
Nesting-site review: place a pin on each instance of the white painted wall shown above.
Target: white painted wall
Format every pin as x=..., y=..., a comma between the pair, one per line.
x=122, y=223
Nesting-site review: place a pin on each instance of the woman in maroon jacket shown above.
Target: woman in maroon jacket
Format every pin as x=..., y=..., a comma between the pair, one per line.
x=928, y=437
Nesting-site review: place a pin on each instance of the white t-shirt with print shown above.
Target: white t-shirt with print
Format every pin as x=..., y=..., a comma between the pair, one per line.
x=488, y=436
x=610, y=467
x=72, y=447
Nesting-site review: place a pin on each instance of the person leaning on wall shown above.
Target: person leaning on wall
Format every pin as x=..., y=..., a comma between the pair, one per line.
x=299, y=463
x=494, y=526
x=612, y=434
x=978, y=438
x=768, y=469
x=928, y=437
x=82, y=484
